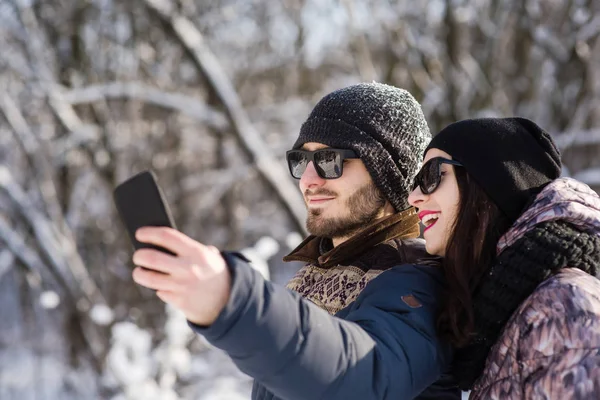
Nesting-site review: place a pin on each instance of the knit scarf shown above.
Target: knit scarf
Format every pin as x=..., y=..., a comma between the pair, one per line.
x=513, y=276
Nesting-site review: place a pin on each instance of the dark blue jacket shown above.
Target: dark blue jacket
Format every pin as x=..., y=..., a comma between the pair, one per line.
x=383, y=346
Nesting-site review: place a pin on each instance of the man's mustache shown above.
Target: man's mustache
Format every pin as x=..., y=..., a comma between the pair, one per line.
x=319, y=192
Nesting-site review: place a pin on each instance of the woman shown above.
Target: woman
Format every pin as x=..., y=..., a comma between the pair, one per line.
x=521, y=250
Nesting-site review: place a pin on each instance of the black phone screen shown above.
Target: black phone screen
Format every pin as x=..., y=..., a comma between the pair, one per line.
x=141, y=202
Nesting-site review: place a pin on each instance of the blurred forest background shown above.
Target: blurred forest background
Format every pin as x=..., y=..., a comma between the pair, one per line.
x=210, y=94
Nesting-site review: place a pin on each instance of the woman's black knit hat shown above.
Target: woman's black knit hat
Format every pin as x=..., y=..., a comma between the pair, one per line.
x=383, y=124
x=512, y=159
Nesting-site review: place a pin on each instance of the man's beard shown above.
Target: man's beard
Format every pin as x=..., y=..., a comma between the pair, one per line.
x=362, y=207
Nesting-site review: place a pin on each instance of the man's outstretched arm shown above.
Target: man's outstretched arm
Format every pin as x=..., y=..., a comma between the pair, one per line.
x=384, y=349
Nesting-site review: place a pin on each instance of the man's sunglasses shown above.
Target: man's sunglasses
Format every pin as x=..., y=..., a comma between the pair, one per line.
x=329, y=163
x=430, y=175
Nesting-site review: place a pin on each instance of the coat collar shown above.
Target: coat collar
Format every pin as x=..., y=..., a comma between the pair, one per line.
x=402, y=225
x=562, y=199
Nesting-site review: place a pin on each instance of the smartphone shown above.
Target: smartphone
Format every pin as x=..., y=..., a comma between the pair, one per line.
x=141, y=202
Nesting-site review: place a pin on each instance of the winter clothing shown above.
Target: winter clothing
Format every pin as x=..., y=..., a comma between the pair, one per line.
x=482, y=146
x=539, y=307
x=383, y=124
x=334, y=278
x=550, y=347
x=382, y=346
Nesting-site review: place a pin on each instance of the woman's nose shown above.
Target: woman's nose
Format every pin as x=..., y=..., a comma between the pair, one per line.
x=416, y=197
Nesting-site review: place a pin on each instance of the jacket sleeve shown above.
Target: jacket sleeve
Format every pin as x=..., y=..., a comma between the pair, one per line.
x=565, y=362
x=384, y=348
x=572, y=374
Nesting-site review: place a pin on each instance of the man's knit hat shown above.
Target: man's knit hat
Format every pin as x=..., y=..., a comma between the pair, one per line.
x=512, y=159
x=383, y=124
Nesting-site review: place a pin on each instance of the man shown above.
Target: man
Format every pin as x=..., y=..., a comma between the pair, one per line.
x=355, y=157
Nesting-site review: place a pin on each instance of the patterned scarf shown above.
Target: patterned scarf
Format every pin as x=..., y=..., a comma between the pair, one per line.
x=334, y=277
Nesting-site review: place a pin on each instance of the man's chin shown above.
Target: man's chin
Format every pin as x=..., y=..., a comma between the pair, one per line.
x=326, y=227
x=316, y=224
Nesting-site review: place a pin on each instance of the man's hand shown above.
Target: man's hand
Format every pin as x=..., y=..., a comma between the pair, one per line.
x=196, y=280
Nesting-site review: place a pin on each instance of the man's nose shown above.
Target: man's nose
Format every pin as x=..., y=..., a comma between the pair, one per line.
x=310, y=179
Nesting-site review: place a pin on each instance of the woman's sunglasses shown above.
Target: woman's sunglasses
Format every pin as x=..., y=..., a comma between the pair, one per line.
x=329, y=163
x=430, y=175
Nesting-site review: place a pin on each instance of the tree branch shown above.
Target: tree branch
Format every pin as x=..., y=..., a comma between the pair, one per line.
x=63, y=251
x=364, y=60
x=187, y=105
x=60, y=250
x=7, y=260
x=575, y=138
x=17, y=249
x=64, y=259
x=252, y=143
x=33, y=152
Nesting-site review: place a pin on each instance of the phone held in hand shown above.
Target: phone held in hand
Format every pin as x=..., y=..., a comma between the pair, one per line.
x=141, y=202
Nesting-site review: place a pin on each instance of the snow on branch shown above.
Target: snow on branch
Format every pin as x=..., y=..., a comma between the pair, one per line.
x=53, y=233
x=34, y=152
x=577, y=139
x=60, y=251
x=17, y=249
x=62, y=254
x=79, y=132
x=187, y=105
x=7, y=260
x=38, y=160
x=268, y=166
x=589, y=30
x=87, y=134
x=548, y=40
x=212, y=196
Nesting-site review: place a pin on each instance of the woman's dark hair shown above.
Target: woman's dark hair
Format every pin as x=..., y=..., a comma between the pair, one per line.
x=470, y=251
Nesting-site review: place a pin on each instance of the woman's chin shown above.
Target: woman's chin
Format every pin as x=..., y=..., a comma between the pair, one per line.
x=433, y=249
